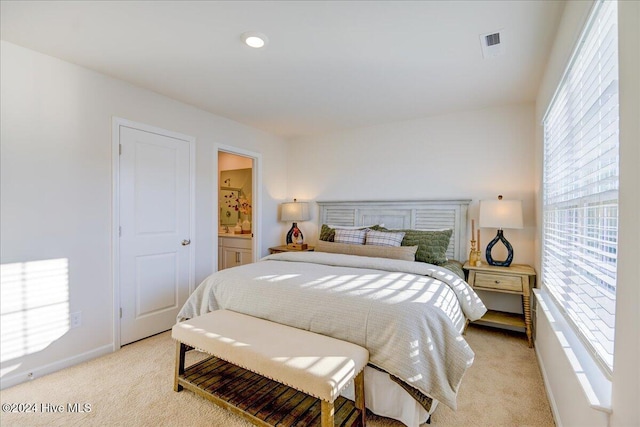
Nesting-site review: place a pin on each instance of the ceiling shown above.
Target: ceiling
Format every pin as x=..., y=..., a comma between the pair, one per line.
x=329, y=65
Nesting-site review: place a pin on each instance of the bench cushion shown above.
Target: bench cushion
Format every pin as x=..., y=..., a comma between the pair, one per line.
x=315, y=364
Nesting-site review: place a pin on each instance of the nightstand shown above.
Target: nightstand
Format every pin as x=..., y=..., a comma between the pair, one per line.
x=518, y=279
x=284, y=248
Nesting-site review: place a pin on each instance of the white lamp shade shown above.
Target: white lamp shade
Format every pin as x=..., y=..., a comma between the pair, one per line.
x=500, y=214
x=294, y=211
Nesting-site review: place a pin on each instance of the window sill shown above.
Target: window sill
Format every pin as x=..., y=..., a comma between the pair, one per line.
x=594, y=383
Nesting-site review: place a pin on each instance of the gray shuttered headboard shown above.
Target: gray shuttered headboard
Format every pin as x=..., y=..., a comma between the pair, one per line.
x=414, y=214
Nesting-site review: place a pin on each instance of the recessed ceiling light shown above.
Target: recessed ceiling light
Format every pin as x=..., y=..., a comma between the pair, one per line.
x=255, y=40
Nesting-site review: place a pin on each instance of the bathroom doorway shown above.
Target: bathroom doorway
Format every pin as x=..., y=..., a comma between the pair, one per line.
x=237, y=223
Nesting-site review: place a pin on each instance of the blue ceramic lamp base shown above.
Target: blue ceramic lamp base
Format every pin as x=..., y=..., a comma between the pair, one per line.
x=499, y=238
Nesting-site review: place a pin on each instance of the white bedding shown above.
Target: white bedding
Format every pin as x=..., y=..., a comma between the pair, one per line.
x=407, y=314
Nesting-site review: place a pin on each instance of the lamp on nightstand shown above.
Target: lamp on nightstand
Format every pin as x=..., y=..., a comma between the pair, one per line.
x=500, y=214
x=295, y=211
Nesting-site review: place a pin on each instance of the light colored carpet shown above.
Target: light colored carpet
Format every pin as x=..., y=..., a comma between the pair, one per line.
x=134, y=387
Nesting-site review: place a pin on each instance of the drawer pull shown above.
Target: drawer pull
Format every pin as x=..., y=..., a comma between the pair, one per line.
x=497, y=282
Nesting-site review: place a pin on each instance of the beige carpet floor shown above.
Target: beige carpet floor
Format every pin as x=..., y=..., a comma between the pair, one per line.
x=134, y=387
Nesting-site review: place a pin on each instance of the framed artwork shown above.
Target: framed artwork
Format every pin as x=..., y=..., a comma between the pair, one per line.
x=228, y=215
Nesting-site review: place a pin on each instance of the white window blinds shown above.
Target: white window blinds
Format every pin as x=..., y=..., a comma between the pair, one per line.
x=580, y=185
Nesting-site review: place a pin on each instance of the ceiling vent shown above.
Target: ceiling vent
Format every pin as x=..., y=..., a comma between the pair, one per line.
x=492, y=44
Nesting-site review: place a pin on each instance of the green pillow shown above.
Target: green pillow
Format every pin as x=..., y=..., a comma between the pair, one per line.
x=327, y=234
x=432, y=245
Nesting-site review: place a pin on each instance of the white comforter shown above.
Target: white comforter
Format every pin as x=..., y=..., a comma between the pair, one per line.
x=407, y=314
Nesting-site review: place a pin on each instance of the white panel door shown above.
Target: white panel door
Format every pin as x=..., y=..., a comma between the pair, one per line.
x=154, y=231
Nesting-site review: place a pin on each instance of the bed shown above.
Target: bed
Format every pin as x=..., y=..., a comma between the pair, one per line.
x=409, y=315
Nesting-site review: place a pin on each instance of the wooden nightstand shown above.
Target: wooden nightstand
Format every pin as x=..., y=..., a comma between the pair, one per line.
x=516, y=279
x=284, y=248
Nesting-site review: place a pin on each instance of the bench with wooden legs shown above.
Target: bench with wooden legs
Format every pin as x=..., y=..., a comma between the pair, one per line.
x=271, y=373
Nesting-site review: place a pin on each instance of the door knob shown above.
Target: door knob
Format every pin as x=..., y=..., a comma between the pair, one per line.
x=186, y=242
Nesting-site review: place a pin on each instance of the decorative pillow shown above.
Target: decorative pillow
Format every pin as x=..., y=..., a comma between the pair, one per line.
x=432, y=244
x=406, y=253
x=327, y=232
x=353, y=237
x=384, y=238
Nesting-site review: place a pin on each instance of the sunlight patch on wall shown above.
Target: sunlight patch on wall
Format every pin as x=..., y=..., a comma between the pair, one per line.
x=34, y=306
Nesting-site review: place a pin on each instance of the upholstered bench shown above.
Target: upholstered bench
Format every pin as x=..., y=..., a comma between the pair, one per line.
x=271, y=373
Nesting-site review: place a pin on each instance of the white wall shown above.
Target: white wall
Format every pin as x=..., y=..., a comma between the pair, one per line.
x=472, y=155
x=571, y=404
x=56, y=183
x=626, y=375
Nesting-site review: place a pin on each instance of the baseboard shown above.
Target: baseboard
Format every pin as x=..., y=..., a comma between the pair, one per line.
x=545, y=379
x=22, y=377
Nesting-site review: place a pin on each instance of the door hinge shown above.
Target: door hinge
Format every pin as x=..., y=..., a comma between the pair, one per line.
x=119, y=231
x=121, y=312
x=120, y=149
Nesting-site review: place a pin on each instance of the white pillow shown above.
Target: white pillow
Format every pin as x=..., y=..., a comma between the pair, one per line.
x=384, y=238
x=353, y=237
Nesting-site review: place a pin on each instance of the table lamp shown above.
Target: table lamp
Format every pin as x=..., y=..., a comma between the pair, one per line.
x=500, y=214
x=294, y=211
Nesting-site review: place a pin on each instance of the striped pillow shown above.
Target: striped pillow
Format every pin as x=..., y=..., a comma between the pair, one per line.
x=327, y=232
x=384, y=238
x=353, y=237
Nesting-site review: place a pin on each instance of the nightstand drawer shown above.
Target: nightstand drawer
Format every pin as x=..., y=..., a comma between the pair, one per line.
x=497, y=281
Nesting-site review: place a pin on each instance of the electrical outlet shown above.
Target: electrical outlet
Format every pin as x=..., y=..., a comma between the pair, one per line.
x=75, y=319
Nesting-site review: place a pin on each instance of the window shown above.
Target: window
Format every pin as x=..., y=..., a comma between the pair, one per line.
x=580, y=185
